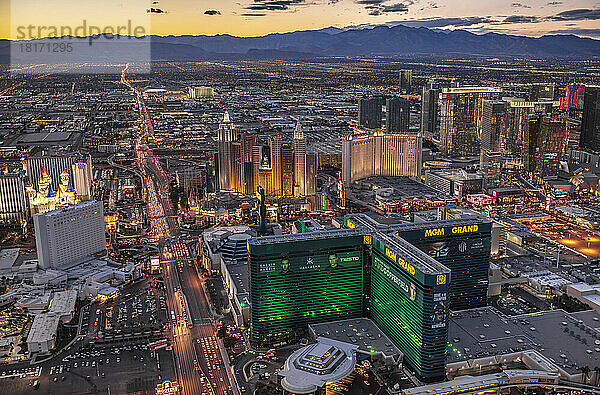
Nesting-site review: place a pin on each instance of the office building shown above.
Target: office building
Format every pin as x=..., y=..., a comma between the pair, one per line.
x=492, y=131
x=67, y=235
x=461, y=111
x=296, y=280
x=405, y=77
x=590, y=125
x=409, y=302
x=13, y=203
x=379, y=154
x=200, y=92
x=544, y=144
x=370, y=113
x=397, y=115
x=225, y=136
x=429, y=111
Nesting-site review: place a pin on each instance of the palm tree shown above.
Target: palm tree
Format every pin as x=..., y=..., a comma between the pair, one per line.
x=584, y=374
x=597, y=374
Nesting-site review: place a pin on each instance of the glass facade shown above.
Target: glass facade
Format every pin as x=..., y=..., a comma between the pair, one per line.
x=411, y=308
x=304, y=280
x=465, y=249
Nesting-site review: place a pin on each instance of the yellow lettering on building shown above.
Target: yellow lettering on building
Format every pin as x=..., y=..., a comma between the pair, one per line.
x=434, y=232
x=368, y=240
x=390, y=254
x=465, y=229
x=406, y=266
x=441, y=279
x=351, y=225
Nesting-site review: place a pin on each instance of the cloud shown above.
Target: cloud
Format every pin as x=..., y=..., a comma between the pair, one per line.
x=273, y=5
x=253, y=14
x=156, y=11
x=520, y=5
x=554, y=3
x=444, y=22
x=377, y=7
x=521, y=19
x=578, y=32
x=212, y=12
x=580, y=14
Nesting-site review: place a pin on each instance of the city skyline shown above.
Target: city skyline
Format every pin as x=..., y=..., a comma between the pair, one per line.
x=257, y=18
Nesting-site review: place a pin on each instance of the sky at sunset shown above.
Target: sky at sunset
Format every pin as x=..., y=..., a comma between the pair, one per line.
x=259, y=17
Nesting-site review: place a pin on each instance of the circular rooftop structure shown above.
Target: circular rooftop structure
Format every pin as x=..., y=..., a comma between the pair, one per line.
x=316, y=365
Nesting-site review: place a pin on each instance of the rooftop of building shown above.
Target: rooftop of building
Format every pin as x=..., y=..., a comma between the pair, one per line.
x=570, y=340
x=288, y=238
x=457, y=174
x=315, y=365
x=70, y=209
x=403, y=188
x=43, y=328
x=361, y=332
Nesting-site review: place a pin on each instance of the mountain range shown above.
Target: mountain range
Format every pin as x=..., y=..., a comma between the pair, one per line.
x=380, y=40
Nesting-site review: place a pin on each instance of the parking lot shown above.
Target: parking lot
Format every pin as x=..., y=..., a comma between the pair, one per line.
x=127, y=369
x=139, y=311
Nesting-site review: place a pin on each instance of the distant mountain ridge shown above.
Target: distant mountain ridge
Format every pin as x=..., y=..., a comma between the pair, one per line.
x=374, y=41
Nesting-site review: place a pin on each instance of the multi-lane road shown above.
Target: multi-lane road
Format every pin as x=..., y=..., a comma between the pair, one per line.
x=198, y=358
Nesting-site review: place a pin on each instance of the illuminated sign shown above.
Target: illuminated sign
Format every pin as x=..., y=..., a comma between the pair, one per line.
x=351, y=225
x=405, y=265
x=465, y=229
x=441, y=279
x=368, y=240
x=390, y=254
x=434, y=232
x=167, y=387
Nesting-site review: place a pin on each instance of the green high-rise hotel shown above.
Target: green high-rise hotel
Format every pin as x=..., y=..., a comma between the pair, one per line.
x=409, y=302
x=296, y=280
x=314, y=277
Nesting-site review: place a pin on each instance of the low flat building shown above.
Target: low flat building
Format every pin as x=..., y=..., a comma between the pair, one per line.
x=585, y=293
x=42, y=335
x=363, y=333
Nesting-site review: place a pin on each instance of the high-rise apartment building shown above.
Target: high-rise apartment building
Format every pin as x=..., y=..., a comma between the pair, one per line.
x=405, y=77
x=545, y=137
x=67, y=235
x=590, y=125
x=370, y=113
x=225, y=136
x=276, y=169
x=379, y=154
x=397, y=115
x=429, y=111
x=493, y=128
x=461, y=111
x=299, y=145
x=287, y=171
x=13, y=202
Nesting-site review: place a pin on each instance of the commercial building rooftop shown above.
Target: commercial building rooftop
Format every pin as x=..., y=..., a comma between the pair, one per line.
x=570, y=341
x=361, y=332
